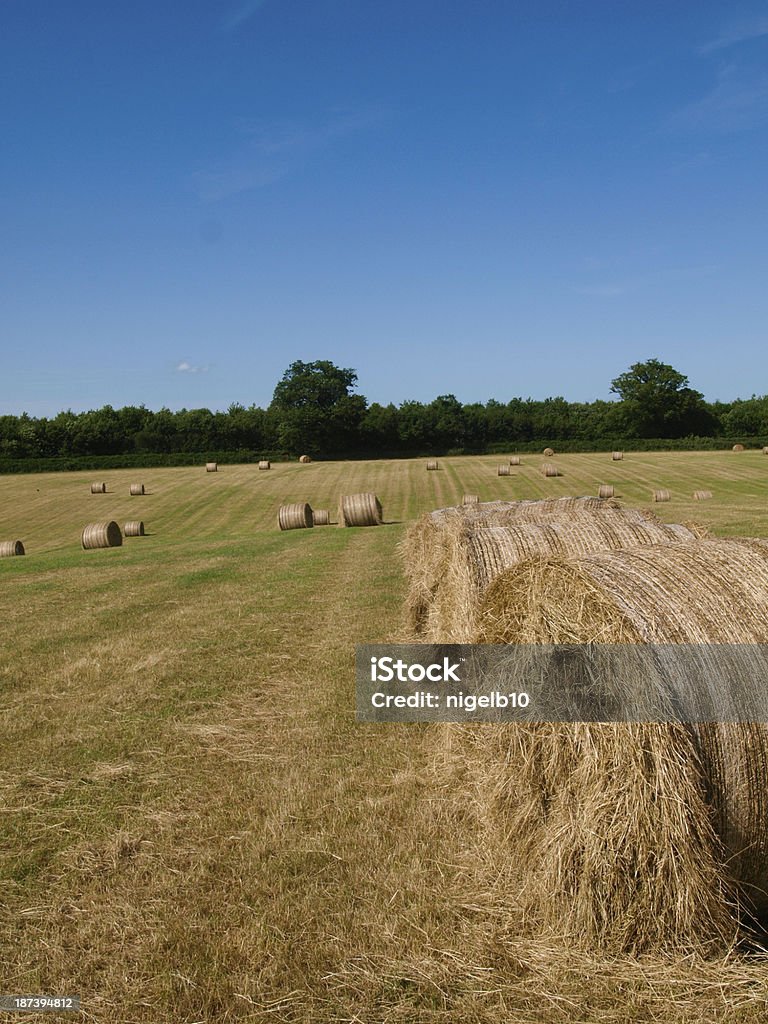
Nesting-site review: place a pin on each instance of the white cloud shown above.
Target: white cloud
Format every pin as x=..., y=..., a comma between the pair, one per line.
x=185, y=367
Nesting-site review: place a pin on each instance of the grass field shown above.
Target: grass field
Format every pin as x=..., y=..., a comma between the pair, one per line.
x=194, y=826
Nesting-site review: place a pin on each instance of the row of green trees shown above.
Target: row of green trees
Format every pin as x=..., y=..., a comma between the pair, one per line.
x=314, y=410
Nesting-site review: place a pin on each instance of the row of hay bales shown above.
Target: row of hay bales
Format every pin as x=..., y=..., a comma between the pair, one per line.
x=634, y=836
x=94, y=535
x=133, y=489
x=354, y=510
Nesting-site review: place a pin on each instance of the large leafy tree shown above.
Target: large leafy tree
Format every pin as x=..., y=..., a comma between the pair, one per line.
x=314, y=410
x=656, y=401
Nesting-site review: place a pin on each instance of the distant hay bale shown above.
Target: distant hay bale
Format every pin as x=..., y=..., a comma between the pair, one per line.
x=264, y=464
x=321, y=517
x=447, y=579
x=304, y=459
x=549, y=452
x=617, y=456
x=470, y=499
x=297, y=516
x=549, y=469
x=432, y=464
x=360, y=510
x=211, y=467
x=136, y=489
x=102, y=535
x=605, y=491
x=631, y=835
x=738, y=448
x=98, y=488
x=661, y=495
x=765, y=450
x=514, y=460
x=8, y=548
x=701, y=495
x=134, y=528
x=502, y=470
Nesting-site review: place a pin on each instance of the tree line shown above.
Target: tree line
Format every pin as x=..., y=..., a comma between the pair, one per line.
x=315, y=411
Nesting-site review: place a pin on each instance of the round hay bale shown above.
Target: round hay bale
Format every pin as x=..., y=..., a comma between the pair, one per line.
x=360, y=510
x=661, y=495
x=211, y=467
x=617, y=456
x=8, y=548
x=102, y=535
x=514, y=460
x=321, y=517
x=701, y=495
x=549, y=469
x=605, y=491
x=136, y=489
x=264, y=464
x=98, y=488
x=502, y=470
x=765, y=450
x=297, y=516
x=470, y=499
x=738, y=448
x=134, y=528
x=432, y=464
x=549, y=452
x=304, y=459
x=691, y=800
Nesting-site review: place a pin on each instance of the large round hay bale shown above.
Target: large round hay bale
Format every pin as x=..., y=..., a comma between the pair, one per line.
x=102, y=535
x=660, y=495
x=470, y=499
x=550, y=469
x=432, y=464
x=304, y=459
x=738, y=448
x=98, y=488
x=8, y=548
x=549, y=452
x=633, y=834
x=605, y=491
x=765, y=450
x=321, y=517
x=136, y=489
x=360, y=510
x=514, y=460
x=264, y=464
x=211, y=467
x=502, y=470
x=617, y=456
x=702, y=495
x=135, y=528
x=296, y=516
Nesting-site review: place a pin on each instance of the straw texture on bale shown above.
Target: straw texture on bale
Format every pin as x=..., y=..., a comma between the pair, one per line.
x=98, y=488
x=549, y=469
x=502, y=471
x=304, y=459
x=662, y=495
x=135, y=528
x=514, y=460
x=264, y=464
x=549, y=452
x=634, y=835
x=136, y=489
x=455, y=566
x=360, y=510
x=470, y=499
x=605, y=491
x=102, y=535
x=701, y=495
x=211, y=467
x=738, y=448
x=432, y=464
x=296, y=516
x=8, y=548
x=617, y=456
x=321, y=517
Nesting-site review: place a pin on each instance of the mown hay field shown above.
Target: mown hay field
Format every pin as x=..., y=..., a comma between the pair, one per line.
x=194, y=826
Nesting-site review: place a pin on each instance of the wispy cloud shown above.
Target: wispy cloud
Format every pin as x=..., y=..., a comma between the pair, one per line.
x=241, y=14
x=185, y=367
x=737, y=102
x=739, y=32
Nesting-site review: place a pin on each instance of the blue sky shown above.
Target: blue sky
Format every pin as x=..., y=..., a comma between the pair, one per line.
x=482, y=198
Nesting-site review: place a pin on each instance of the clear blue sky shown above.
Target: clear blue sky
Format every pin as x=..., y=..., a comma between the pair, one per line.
x=479, y=197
